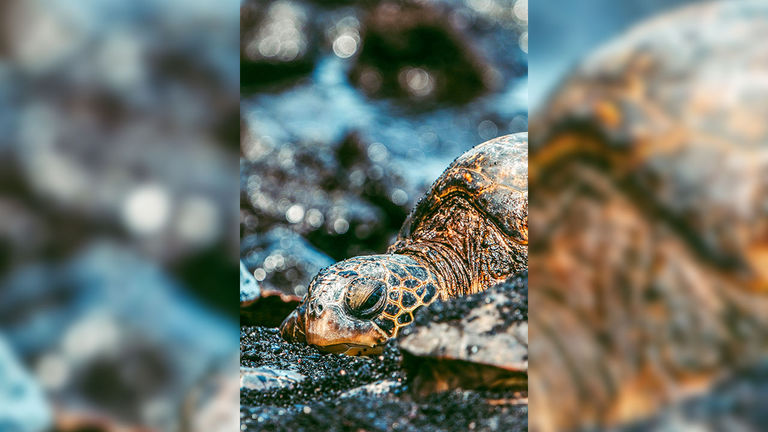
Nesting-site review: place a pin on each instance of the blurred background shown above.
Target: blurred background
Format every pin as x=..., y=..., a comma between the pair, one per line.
x=649, y=215
x=349, y=111
x=118, y=212
x=567, y=32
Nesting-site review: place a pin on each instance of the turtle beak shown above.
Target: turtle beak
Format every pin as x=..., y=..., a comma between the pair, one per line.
x=293, y=328
x=331, y=330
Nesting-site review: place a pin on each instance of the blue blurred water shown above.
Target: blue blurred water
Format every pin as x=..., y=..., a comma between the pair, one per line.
x=421, y=144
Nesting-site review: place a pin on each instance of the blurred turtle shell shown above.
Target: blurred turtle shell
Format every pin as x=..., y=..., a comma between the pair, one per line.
x=649, y=238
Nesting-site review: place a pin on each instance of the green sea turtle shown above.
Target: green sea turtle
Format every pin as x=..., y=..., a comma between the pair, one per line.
x=469, y=232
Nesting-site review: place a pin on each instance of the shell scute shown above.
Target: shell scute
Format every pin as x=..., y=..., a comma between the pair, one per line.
x=493, y=177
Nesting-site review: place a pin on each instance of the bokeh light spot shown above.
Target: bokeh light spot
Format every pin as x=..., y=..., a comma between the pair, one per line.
x=345, y=46
x=146, y=209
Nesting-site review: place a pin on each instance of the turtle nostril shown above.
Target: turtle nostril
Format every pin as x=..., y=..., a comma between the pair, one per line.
x=315, y=309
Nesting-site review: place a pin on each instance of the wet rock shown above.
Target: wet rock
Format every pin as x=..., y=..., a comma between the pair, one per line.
x=414, y=51
x=285, y=263
x=327, y=375
x=344, y=198
x=342, y=392
x=23, y=407
x=382, y=388
x=265, y=378
x=278, y=42
x=282, y=260
x=249, y=288
x=478, y=341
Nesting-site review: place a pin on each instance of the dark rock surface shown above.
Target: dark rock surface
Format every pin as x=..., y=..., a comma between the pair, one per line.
x=343, y=393
x=513, y=309
x=414, y=51
x=270, y=309
x=296, y=387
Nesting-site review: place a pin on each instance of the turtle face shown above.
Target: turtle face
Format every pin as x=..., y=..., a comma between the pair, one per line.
x=357, y=304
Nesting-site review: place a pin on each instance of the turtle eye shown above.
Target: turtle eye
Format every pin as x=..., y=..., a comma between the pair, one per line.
x=365, y=298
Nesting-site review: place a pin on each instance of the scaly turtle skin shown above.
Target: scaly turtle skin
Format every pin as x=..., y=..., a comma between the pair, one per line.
x=468, y=233
x=650, y=231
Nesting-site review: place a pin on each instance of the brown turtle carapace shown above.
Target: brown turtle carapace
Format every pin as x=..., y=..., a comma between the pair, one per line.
x=469, y=232
x=649, y=248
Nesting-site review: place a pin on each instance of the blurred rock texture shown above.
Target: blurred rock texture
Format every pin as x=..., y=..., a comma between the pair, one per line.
x=118, y=175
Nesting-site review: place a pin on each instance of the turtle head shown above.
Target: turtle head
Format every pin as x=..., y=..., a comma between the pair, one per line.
x=355, y=305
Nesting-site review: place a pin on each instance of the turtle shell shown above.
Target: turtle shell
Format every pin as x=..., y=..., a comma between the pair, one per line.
x=676, y=109
x=650, y=230
x=478, y=208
